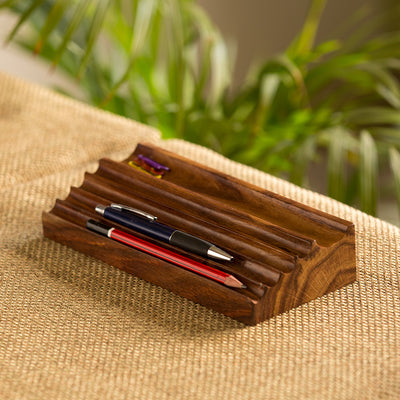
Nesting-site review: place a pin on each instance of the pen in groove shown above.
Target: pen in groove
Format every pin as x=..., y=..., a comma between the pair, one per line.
x=146, y=224
x=164, y=254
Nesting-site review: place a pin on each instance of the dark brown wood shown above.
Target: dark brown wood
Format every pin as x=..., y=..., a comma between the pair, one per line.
x=285, y=252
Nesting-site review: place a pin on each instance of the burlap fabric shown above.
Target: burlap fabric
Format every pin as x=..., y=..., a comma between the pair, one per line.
x=72, y=327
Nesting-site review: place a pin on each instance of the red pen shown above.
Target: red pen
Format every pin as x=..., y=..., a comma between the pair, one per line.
x=164, y=254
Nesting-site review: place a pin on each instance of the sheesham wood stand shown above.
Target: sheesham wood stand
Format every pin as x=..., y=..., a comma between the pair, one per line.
x=286, y=253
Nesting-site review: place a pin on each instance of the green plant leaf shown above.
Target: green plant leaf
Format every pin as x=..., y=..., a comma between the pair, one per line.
x=144, y=15
x=368, y=173
x=336, y=162
x=94, y=32
x=268, y=88
x=373, y=116
x=386, y=135
x=303, y=155
x=339, y=67
x=390, y=63
x=383, y=41
x=23, y=18
x=204, y=71
x=294, y=71
x=386, y=83
x=173, y=37
x=76, y=19
x=221, y=72
x=305, y=41
x=368, y=22
x=207, y=36
x=323, y=50
x=53, y=18
x=178, y=70
x=7, y=3
x=394, y=158
x=141, y=25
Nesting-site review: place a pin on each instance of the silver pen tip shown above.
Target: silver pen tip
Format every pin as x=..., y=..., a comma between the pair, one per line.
x=100, y=209
x=215, y=252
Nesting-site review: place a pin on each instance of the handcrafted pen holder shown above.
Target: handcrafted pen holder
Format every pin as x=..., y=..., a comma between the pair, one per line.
x=286, y=253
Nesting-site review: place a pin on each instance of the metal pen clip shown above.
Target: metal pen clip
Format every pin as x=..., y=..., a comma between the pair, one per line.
x=141, y=213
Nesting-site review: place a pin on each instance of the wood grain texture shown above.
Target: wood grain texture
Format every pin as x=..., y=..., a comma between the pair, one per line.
x=285, y=252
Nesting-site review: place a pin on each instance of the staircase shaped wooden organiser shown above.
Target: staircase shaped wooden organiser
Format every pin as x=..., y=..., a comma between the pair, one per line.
x=286, y=253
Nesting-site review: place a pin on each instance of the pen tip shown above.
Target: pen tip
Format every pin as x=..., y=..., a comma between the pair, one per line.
x=219, y=254
x=244, y=287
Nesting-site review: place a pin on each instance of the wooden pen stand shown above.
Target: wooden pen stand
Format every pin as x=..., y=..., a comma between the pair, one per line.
x=286, y=253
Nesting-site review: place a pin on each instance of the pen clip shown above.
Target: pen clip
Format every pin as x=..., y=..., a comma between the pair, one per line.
x=141, y=213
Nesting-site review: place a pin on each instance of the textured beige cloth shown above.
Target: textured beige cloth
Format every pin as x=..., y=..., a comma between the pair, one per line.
x=72, y=327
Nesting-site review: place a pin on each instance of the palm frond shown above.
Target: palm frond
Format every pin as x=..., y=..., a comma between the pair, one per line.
x=142, y=23
x=53, y=18
x=23, y=18
x=7, y=3
x=305, y=40
x=368, y=173
x=394, y=158
x=76, y=20
x=336, y=163
x=373, y=116
x=94, y=32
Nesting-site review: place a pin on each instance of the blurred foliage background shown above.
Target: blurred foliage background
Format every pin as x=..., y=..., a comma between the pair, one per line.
x=332, y=106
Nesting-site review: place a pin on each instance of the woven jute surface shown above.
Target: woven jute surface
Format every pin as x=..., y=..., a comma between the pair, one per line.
x=72, y=327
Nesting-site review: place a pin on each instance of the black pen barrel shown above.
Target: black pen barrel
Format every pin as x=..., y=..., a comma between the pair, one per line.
x=190, y=243
x=153, y=229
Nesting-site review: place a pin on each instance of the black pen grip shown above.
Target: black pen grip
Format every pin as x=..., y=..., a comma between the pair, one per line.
x=190, y=243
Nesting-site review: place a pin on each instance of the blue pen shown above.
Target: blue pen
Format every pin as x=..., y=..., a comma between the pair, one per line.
x=145, y=223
